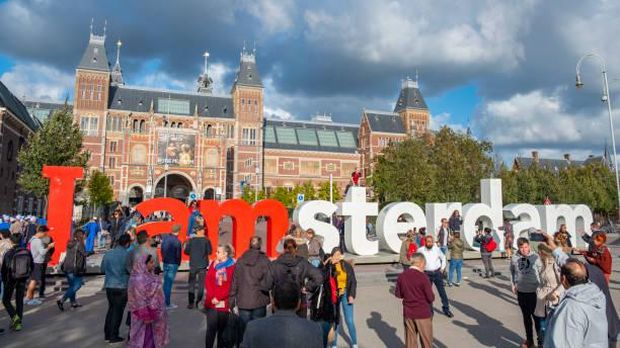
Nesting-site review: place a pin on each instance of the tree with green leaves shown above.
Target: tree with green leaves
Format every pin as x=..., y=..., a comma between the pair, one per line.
x=323, y=192
x=100, y=190
x=445, y=168
x=249, y=194
x=307, y=188
x=285, y=196
x=58, y=142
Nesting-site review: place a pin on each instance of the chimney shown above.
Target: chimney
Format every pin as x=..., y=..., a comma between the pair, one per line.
x=567, y=156
x=535, y=156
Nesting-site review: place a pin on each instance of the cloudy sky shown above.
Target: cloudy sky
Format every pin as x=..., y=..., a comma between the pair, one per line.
x=506, y=69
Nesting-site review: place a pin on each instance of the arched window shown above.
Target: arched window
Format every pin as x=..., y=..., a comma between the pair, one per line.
x=165, y=123
x=173, y=124
x=135, y=126
x=179, y=124
x=142, y=126
x=210, y=131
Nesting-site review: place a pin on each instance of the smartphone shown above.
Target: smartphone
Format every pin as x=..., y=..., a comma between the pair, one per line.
x=537, y=237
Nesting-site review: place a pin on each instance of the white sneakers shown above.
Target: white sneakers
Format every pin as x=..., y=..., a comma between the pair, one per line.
x=171, y=306
x=34, y=302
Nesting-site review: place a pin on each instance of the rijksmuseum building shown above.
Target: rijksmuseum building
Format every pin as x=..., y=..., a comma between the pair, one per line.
x=152, y=143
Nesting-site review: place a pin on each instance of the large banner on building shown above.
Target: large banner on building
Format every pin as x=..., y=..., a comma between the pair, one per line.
x=176, y=147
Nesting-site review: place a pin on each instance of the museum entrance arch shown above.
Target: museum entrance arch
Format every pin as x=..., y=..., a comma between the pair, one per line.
x=136, y=195
x=177, y=186
x=209, y=194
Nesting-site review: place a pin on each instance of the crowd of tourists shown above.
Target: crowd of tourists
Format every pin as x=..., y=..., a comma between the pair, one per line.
x=565, y=300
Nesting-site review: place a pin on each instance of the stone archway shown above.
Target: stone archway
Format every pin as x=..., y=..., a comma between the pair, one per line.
x=178, y=186
x=209, y=194
x=136, y=195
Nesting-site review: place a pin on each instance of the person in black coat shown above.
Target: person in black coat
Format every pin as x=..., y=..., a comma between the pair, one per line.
x=251, y=284
x=290, y=267
x=347, y=291
x=117, y=224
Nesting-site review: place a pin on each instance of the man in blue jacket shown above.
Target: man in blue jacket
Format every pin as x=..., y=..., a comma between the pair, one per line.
x=114, y=266
x=171, y=255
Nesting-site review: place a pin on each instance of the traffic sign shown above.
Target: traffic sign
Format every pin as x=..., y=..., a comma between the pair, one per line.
x=300, y=198
x=193, y=196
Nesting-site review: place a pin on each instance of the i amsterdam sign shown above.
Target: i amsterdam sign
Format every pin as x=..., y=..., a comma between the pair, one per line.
x=354, y=209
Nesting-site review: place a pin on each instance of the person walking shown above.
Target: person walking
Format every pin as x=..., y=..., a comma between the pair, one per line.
x=217, y=301
x=198, y=248
x=407, y=248
x=251, y=284
x=117, y=224
x=414, y=288
x=283, y=329
x=347, y=291
x=5, y=245
x=145, y=299
x=579, y=319
x=487, y=246
x=74, y=267
x=442, y=236
x=46, y=240
x=171, y=255
x=290, y=267
x=17, y=266
x=550, y=288
x=455, y=221
x=434, y=268
x=113, y=266
x=92, y=229
x=39, y=254
x=456, y=247
x=525, y=275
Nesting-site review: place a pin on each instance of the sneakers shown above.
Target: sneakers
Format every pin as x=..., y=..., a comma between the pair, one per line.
x=60, y=305
x=171, y=306
x=116, y=340
x=448, y=313
x=75, y=305
x=16, y=324
x=190, y=306
x=457, y=284
x=34, y=302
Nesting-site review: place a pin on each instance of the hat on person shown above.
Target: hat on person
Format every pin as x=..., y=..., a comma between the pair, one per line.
x=176, y=228
x=43, y=228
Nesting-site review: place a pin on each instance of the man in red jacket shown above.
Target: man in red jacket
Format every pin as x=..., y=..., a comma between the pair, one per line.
x=414, y=288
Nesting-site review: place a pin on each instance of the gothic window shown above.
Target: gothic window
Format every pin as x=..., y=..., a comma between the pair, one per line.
x=142, y=126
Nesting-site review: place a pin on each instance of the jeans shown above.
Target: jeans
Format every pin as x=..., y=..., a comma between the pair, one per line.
x=117, y=300
x=247, y=315
x=436, y=278
x=75, y=283
x=170, y=271
x=527, y=303
x=487, y=261
x=316, y=262
x=196, y=281
x=19, y=287
x=347, y=310
x=444, y=249
x=455, y=265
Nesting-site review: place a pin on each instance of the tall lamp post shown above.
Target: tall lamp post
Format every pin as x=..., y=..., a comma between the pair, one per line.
x=606, y=99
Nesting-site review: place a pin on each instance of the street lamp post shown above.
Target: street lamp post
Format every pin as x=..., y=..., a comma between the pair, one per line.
x=606, y=99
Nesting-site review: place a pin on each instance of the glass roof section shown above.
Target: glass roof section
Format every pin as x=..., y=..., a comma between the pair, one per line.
x=346, y=139
x=327, y=138
x=307, y=137
x=270, y=135
x=286, y=135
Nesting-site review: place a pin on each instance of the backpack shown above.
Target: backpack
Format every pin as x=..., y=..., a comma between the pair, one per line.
x=491, y=245
x=21, y=264
x=284, y=274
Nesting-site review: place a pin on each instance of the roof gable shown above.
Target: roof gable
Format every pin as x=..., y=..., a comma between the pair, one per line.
x=410, y=98
x=385, y=122
x=95, y=57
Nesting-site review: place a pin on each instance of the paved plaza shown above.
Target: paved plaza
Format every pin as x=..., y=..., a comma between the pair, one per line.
x=486, y=314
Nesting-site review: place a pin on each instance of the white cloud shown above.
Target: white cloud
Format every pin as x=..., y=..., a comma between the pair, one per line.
x=481, y=33
x=278, y=113
x=275, y=16
x=443, y=119
x=219, y=72
x=539, y=121
x=38, y=81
